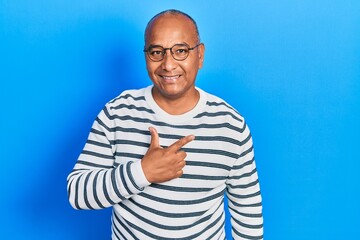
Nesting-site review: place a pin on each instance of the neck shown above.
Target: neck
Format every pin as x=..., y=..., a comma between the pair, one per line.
x=179, y=104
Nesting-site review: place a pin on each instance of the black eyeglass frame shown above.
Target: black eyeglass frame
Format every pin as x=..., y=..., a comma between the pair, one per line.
x=172, y=53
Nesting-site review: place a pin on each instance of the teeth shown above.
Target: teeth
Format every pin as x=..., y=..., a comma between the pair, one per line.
x=170, y=77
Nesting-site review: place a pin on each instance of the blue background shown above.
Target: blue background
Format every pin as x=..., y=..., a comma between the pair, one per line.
x=292, y=68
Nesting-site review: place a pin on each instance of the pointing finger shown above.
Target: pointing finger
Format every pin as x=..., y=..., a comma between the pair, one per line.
x=181, y=142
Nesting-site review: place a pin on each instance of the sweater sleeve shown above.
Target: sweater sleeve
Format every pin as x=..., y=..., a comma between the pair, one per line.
x=95, y=181
x=243, y=192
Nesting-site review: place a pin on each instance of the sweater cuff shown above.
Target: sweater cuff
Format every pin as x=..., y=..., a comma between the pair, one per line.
x=139, y=175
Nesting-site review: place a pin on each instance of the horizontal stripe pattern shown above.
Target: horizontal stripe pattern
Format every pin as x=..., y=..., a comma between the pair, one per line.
x=219, y=161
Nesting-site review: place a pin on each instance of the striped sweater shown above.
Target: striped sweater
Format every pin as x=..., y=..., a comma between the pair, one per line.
x=219, y=161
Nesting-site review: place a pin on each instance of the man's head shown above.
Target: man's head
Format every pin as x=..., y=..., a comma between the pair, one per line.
x=173, y=54
x=173, y=12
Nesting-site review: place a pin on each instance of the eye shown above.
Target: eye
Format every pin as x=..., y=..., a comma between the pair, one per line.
x=154, y=52
x=181, y=50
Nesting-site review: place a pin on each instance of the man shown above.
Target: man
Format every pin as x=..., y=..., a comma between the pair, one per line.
x=164, y=156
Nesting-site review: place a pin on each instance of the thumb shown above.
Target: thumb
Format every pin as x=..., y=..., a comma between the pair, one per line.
x=154, y=142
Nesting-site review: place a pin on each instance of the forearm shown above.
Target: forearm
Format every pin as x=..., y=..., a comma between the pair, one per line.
x=245, y=203
x=99, y=188
x=246, y=213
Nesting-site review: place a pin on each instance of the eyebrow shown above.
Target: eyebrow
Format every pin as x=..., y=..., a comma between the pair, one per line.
x=154, y=45
x=157, y=45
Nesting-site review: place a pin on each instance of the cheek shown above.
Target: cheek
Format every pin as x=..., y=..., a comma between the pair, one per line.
x=151, y=67
x=191, y=67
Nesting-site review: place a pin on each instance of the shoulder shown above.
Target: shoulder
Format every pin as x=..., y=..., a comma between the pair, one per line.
x=221, y=108
x=129, y=102
x=134, y=97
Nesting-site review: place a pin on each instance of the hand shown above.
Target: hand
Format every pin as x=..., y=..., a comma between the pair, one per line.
x=162, y=164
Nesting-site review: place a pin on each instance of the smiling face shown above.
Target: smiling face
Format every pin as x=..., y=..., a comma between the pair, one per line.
x=173, y=79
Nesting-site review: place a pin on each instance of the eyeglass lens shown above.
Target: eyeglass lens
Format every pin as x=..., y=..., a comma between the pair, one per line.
x=178, y=51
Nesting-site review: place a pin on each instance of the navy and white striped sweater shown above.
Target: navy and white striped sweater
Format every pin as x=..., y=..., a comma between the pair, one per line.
x=220, y=160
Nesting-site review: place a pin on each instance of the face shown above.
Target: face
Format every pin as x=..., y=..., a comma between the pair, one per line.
x=173, y=79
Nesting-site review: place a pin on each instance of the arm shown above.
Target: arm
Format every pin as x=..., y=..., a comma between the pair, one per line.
x=95, y=182
x=243, y=192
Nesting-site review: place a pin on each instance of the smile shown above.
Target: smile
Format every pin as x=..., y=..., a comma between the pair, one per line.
x=170, y=78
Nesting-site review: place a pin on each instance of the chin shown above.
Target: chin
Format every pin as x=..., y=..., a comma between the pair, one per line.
x=172, y=94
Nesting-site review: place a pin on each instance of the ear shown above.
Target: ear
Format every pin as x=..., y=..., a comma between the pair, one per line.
x=201, y=54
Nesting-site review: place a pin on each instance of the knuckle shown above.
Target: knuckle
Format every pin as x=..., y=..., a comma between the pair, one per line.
x=182, y=164
x=182, y=154
x=180, y=173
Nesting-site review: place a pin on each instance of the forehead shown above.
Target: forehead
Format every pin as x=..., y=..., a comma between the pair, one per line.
x=170, y=29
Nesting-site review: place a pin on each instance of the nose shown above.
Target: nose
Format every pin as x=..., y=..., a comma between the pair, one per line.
x=169, y=63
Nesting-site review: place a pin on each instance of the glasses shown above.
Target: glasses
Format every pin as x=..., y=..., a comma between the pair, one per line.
x=179, y=52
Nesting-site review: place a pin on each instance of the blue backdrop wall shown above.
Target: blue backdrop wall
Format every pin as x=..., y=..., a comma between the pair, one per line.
x=292, y=68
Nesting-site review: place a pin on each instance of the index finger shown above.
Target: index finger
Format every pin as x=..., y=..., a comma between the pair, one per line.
x=181, y=142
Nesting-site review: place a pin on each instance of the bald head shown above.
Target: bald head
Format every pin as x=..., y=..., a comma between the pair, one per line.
x=181, y=16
